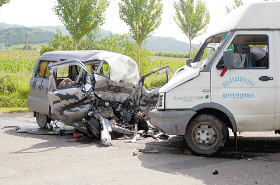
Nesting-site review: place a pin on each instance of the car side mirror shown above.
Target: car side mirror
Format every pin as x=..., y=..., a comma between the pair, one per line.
x=189, y=61
x=228, y=58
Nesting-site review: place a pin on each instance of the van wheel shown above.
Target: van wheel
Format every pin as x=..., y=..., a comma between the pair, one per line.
x=206, y=135
x=42, y=119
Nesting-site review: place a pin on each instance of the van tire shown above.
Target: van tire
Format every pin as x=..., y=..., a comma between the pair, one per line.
x=42, y=120
x=206, y=135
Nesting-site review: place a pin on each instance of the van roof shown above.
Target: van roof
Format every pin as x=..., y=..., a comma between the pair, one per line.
x=253, y=16
x=69, y=55
x=82, y=55
x=122, y=67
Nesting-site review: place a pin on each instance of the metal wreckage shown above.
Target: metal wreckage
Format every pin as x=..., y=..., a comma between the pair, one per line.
x=106, y=95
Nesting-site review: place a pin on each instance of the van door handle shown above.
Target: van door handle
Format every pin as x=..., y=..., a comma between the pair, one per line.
x=265, y=78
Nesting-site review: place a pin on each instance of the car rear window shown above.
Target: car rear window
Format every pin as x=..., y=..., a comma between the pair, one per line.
x=43, y=71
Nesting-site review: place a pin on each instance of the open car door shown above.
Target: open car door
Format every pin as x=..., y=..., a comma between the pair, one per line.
x=69, y=93
x=149, y=96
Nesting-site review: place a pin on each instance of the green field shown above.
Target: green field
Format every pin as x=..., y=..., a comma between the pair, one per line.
x=21, y=46
x=16, y=67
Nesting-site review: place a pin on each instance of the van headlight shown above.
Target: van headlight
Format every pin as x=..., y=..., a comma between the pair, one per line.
x=161, y=101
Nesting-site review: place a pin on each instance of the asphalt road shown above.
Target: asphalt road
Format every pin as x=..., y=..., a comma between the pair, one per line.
x=54, y=159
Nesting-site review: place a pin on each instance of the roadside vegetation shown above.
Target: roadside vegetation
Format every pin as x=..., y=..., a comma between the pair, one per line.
x=16, y=68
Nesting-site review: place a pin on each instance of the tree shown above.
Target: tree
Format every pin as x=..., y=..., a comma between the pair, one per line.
x=143, y=17
x=4, y=2
x=123, y=44
x=59, y=43
x=81, y=16
x=192, y=20
x=237, y=3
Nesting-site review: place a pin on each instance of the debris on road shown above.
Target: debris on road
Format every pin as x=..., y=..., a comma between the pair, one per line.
x=58, y=129
x=137, y=150
x=215, y=172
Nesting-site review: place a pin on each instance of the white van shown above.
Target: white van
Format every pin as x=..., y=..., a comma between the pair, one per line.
x=235, y=86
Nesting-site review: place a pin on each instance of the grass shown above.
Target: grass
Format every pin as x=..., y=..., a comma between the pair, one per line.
x=159, y=61
x=168, y=59
x=21, y=46
x=14, y=109
x=16, y=68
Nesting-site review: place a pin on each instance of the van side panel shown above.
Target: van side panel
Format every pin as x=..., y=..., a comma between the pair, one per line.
x=189, y=94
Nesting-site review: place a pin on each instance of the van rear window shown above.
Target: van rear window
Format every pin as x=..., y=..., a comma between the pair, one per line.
x=43, y=71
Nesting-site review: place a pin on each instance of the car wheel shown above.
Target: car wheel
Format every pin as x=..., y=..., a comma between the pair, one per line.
x=206, y=135
x=42, y=120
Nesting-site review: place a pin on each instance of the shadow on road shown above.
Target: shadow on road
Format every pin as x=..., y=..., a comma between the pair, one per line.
x=247, y=147
x=254, y=157
x=50, y=140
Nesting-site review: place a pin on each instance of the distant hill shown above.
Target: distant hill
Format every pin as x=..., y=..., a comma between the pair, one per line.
x=166, y=44
x=43, y=34
x=18, y=36
x=6, y=26
x=154, y=42
x=63, y=30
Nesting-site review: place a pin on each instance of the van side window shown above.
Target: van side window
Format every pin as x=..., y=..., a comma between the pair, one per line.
x=43, y=70
x=251, y=51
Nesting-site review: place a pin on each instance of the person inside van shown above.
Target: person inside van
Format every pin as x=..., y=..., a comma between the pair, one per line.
x=246, y=57
x=260, y=56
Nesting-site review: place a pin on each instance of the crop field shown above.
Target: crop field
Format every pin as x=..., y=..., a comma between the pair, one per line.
x=16, y=67
x=17, y=60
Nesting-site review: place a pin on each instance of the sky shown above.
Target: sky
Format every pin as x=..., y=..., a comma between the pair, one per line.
x=40, y=13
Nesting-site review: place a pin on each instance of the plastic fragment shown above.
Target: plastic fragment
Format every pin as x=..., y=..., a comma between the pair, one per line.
x=215, y=172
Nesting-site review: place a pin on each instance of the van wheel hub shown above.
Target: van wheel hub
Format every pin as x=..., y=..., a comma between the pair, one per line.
x=204, y=135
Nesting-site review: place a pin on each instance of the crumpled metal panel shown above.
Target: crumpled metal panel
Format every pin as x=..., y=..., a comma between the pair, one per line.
x=148, y=100
x=69, y=105
x=149, y=97
x=108, y=90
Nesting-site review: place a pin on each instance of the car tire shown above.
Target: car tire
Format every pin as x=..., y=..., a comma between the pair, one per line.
x=206, y=135
x=42, y=120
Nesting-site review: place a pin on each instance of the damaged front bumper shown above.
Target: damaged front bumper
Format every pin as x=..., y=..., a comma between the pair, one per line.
x=171, y=122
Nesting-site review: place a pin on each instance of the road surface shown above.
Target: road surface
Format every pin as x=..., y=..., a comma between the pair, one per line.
x=54, y=159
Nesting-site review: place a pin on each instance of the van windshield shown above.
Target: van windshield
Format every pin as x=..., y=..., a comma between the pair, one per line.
x=207, y=50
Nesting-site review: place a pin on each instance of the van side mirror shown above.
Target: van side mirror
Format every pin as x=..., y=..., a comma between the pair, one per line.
x=189, y=61
x=228, y=58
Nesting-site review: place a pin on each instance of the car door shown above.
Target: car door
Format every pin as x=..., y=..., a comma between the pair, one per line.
x=69, y=103
x=149, y=96
x=38, y=100
x=248, y=93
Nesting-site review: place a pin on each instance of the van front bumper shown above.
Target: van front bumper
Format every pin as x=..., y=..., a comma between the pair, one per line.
x=171, y=122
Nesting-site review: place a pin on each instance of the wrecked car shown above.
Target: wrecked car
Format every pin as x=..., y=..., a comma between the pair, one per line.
x=101, y=94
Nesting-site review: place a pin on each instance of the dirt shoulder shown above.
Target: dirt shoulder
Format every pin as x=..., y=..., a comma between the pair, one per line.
x=26, y=114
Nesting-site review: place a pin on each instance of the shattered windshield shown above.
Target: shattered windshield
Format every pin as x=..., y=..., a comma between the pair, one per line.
x=207, y=50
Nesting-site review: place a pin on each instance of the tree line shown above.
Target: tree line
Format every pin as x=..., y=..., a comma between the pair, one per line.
x=81, y=17
x=142, y=16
